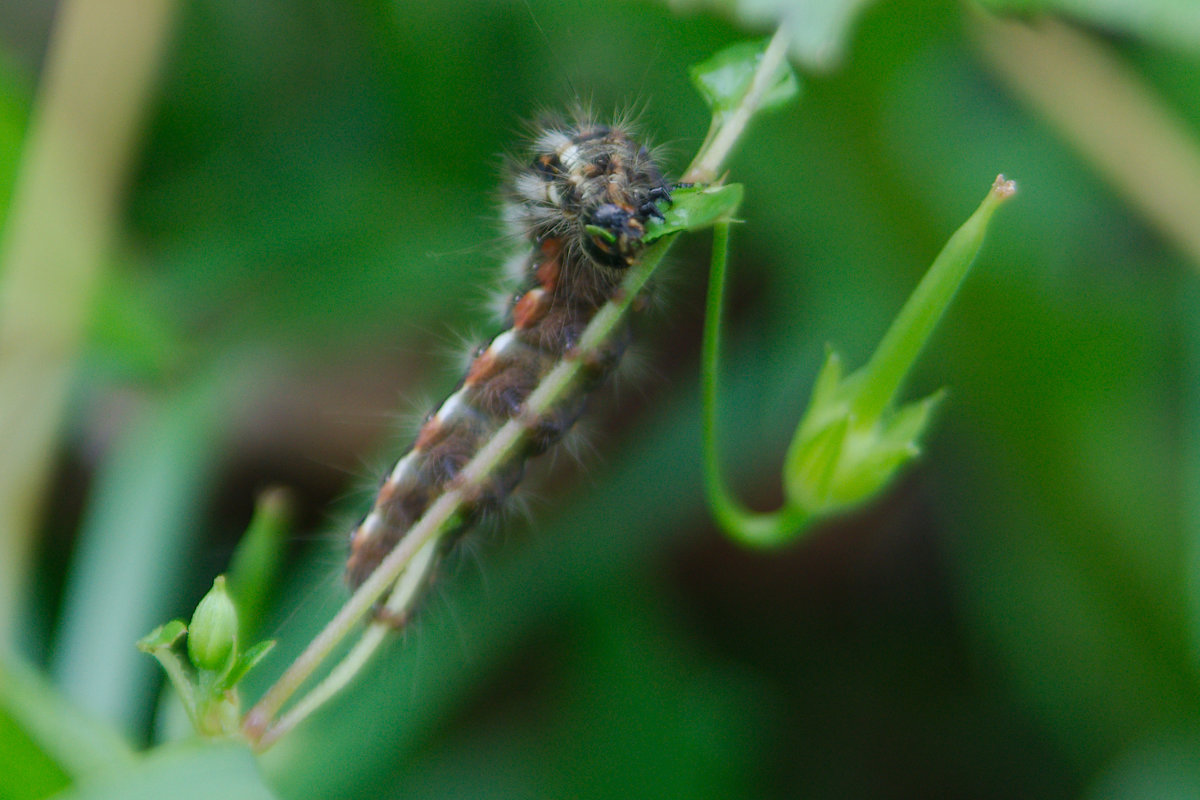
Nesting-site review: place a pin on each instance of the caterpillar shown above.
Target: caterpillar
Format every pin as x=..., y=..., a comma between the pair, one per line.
x=581, y=200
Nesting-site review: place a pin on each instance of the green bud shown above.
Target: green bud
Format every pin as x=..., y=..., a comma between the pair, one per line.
x=837, y=459
x=853, y=440
x=212, y=636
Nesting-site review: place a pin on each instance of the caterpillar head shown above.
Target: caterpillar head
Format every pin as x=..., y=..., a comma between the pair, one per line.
x=592, y=187
x=612, y=235
x=625, y=188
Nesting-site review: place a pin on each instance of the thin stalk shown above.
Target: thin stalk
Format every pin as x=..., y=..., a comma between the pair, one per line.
x=99, y=77
x=719, y=142
x=259, y=725
x=1135, y=140
x=399, y=604
x=749, y=527
x=358, y=657
x=912, y=327
x=437, y=521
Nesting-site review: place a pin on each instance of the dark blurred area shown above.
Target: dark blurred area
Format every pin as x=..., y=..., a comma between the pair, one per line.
x=309, y=240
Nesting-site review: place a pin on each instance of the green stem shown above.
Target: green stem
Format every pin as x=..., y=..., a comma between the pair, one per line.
x=400, y=602
x=748, y=527
x=720, y=141
x=441, y=516
x=912, y=327
x=435, y=523
x=99, y=76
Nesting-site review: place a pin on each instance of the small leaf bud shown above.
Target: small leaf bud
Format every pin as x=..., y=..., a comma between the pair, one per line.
x=212, y=636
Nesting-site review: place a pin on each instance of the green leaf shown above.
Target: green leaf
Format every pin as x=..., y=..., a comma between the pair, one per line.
x=162, y=637
x=14, y=115
x=724, y=79
x=695, y=208
x=255, y=563
x=904, y=425
x=912, y=327
x=246, y=662
x=49, y=738
x=160, y=643
x=812, y=464
x=30, y=773
x=850, y=443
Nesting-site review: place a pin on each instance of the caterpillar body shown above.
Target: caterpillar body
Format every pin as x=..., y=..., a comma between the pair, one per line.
x=581, y=200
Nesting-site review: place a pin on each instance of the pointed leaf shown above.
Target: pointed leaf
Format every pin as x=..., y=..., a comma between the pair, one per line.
x=695, y=208
x=812, y=464
x=246, y=662
x=163, y=637
x=908, y=423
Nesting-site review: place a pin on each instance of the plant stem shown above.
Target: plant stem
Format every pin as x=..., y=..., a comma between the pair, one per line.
x=763, y=530
x=717, y=144
x=439, y=519
x=99, y=76
x=435, y=521
x=912, y=327
x=399, y=603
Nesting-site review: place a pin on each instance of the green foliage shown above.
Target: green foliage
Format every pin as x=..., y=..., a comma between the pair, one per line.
x=207, y=684
x=14, y=111
x=1170, y=22
x=851, y=441
x=217, y=663
x=254, y=569
x=724, y=79
x=1016, y=616
x=184, y=771
x=46, y=741
x=695, y=209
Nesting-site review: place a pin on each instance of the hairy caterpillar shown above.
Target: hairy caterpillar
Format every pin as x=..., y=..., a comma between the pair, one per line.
x=581, y=200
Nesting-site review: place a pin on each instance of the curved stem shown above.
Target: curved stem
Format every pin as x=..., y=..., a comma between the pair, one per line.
x=749, y=527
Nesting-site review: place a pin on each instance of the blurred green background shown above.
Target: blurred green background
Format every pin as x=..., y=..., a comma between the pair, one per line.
x=308, y=236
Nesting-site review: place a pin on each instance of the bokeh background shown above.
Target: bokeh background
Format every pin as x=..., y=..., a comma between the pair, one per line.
x=306, y=240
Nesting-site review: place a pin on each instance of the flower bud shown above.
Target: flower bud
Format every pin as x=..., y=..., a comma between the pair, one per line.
x=212, y=636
